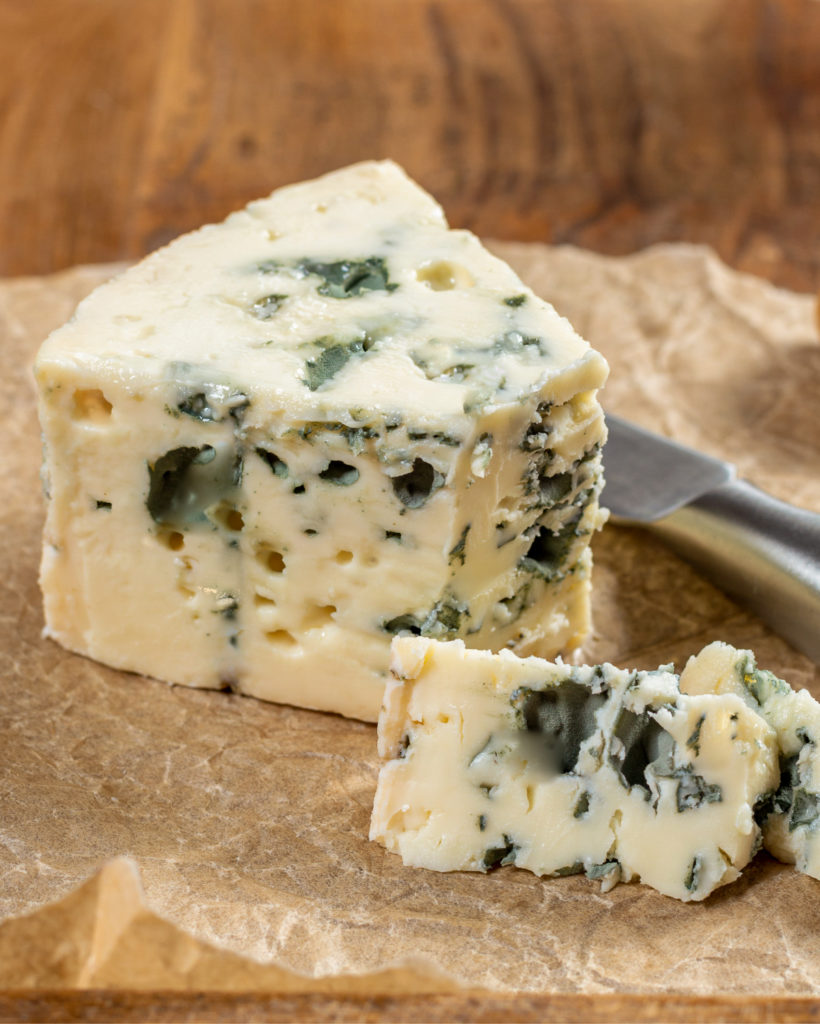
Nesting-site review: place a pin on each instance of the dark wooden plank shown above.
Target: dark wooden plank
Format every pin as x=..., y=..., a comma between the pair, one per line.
x=607, y=123
x=206, y=1007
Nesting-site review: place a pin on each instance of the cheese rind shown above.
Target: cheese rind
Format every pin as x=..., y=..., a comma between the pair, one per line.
x=280, y=441
x=790, y=813
x=493, y=759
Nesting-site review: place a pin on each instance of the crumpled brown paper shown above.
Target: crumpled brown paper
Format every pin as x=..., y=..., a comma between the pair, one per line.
x=248, y=822
x=103, y=935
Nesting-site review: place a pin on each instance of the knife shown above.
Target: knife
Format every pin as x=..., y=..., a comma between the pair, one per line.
x=763, y=552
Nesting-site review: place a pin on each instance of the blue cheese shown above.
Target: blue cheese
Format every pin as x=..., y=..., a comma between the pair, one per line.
x=284, y=439
x=494, y=760
x=790, y=811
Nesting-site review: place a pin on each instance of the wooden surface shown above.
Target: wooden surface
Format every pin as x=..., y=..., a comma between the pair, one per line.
x=608, y=123
x=611, y=124
x=215, y=1007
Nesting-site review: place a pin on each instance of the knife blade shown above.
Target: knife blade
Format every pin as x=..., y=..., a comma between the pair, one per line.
x=763, y=552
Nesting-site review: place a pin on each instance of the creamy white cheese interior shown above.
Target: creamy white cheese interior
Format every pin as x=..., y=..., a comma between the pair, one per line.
x=283, y=439
x=790, y=813
x=495, y=760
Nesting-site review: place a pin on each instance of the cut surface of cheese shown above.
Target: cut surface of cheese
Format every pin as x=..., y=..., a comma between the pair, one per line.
x=492, y=760
x=790, y=814
x=283, y=439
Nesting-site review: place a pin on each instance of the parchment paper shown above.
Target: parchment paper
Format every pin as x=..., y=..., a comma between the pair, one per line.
x=248, y=822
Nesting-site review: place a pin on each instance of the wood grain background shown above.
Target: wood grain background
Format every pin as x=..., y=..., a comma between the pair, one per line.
x=221, y=1008
x=608, y=123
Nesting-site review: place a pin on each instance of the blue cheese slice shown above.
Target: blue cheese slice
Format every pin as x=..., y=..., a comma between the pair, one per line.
x=790, y=812
x=282, y=440
x=494, y=759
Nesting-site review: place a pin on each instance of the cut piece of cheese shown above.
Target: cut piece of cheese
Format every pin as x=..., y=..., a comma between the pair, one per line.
x=281, y=440
x=790, y=814
x=494, y=759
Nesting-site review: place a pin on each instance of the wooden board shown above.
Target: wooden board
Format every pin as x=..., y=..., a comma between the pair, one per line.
x=207, y=1007
x=608, y=123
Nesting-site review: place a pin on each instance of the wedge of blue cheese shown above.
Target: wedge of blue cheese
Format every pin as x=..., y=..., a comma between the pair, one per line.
x=284, y=439
x=790, y=812
x=495, y=760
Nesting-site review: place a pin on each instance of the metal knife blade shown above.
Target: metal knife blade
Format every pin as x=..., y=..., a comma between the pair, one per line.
x=763, y=552
x=648, y=476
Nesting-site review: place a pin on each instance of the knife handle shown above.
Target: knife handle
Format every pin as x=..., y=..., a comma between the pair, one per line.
x=759, y=550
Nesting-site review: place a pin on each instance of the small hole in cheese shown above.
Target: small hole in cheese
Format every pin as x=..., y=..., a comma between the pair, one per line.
x=92, y=405
x=261, y=601
x=282, y=638
x=173, y=539
x=270, y=558
x=276, y=562
x=443, y=276
x=339, y=473
x=227, y=516
x=319, y=616
x=234, y=520
x=343, y=557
